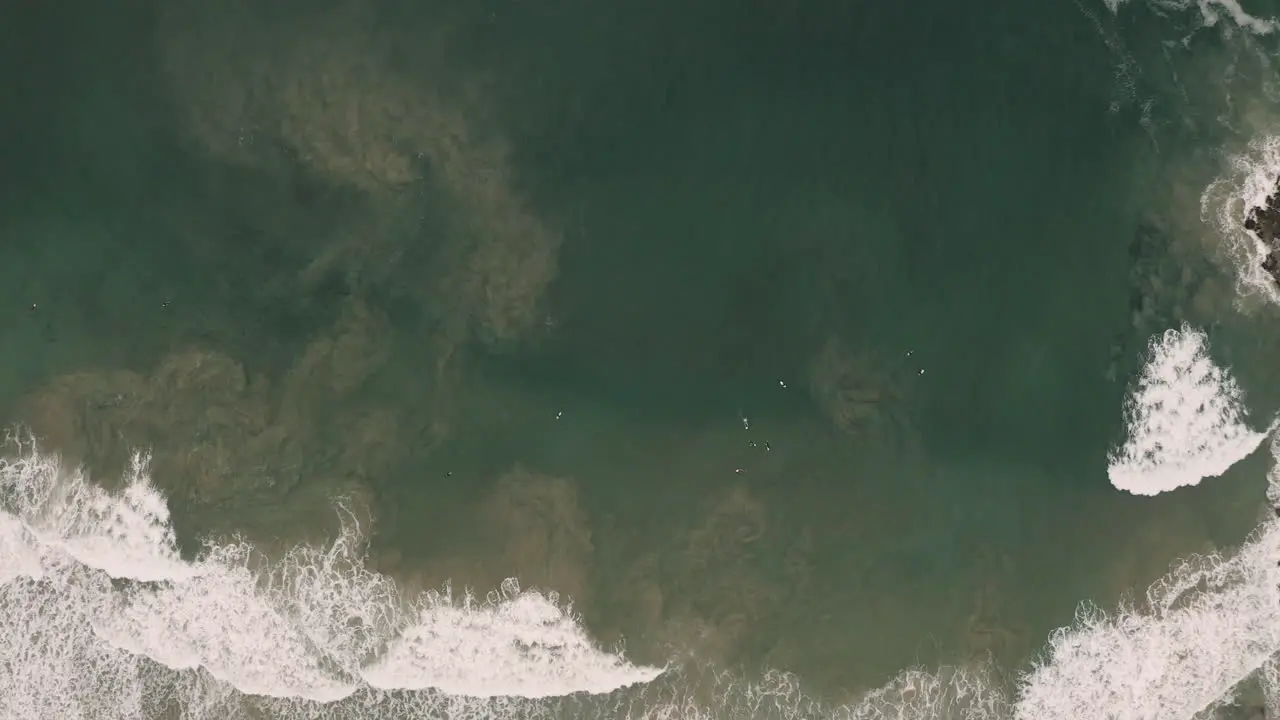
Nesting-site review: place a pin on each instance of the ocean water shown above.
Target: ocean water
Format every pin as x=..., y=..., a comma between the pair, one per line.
x=368, y=359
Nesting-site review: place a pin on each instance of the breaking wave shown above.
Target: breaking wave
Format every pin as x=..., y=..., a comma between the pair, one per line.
x=1225, y=204
x=100, y=617
x=1211, y=13
x=1186, y=419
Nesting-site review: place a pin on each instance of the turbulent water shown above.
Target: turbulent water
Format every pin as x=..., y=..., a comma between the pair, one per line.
x=1185, y=420
x=484, y=360
x=104, y=619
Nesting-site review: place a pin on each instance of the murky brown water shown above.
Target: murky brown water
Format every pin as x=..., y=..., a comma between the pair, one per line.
x=735, y=382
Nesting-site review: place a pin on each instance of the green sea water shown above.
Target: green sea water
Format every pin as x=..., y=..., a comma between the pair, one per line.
x=785, y=334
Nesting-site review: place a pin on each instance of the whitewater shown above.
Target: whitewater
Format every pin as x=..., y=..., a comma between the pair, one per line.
x=101, y=617
x=1186, y=419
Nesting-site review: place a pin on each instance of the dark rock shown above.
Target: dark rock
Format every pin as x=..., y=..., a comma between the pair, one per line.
x=1264, y=222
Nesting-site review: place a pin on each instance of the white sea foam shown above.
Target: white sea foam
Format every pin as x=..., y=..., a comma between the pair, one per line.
x=98, y=610
x=463, y=650
x=317, y=635
x=1200, y=631
x=1204, y=628
x=1251, y=176
x=1211, y=12
x=1185, y=420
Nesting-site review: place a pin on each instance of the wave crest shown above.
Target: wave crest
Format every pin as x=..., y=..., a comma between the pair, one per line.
x=100, y=617
x=1186, y=419
x=95, y=592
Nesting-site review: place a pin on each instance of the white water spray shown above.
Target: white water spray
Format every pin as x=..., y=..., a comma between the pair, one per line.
x=1186, y=419
x=100, y=616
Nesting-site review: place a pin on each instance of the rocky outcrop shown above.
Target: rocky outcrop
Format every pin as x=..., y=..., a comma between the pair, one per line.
x=1264, y=222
